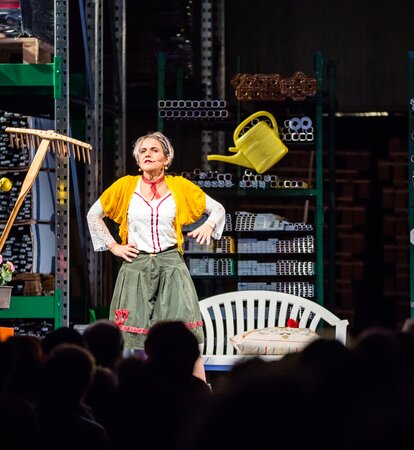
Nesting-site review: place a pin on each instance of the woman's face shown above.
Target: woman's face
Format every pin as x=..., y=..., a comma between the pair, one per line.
x=151, y=156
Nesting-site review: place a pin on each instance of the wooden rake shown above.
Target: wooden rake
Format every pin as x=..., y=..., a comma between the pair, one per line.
x=43, y=139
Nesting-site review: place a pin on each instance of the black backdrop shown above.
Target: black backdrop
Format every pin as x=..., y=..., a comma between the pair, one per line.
x=369, y=40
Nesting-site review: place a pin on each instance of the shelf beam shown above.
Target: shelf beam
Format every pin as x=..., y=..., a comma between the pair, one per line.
x=20, y=75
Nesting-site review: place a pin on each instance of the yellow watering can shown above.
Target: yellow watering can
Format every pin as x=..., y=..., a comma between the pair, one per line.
x=259, y=148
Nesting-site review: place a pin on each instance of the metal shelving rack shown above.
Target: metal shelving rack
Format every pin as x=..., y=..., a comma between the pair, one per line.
x=50, y=75
x=62, y=162
x=315, y=194
x=94, y=16
x=56, y=76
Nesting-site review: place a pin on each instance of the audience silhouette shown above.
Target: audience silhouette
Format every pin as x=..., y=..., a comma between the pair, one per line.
x=19, y=428
x=62, y=335
x=28, y=366
x=65, y=421
x=72, y=391
x=105, y=341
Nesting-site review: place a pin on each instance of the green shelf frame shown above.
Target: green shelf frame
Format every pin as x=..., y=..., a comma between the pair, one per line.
x=21, y=75
x=43, y=76
x=35, y=307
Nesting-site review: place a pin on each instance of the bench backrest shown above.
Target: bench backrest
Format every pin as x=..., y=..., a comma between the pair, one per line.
x=226, y=315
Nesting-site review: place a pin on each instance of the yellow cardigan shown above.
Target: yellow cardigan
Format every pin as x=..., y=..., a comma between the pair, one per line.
x=189, y=199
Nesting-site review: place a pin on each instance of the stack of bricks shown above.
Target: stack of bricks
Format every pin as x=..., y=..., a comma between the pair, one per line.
x=372, y=236
x=353, y=191
x=393, y=175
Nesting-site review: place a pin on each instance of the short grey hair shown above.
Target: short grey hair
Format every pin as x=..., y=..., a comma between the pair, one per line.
x=166, y=146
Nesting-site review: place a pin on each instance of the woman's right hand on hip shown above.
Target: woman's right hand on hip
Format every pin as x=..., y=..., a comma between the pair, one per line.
x=127, y=252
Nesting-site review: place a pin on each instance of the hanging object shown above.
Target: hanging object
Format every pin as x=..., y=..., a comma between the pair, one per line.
x=5, y=184
x=257, y=144
x=272, y=87
x=60, y=144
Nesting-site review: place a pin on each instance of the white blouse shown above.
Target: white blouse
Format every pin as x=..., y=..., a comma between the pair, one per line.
x=150, y=223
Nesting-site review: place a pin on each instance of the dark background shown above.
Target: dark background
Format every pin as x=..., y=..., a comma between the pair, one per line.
x=369, y=40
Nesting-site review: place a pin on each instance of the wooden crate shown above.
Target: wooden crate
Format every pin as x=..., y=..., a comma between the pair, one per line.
x=32, y=283
x=27, y=50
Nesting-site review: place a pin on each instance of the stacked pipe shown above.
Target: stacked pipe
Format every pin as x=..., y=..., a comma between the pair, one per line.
x=273, y=87
x=296, y=245
x=9, y=157
x=19, y=248
x=253, y=268
x=289, y=184
x=293, y=267
x=192, y=246
x=226, y=244
x=211, y=266
x=192, y=109
x=209, y=179
x=279, y=268
x=254, y=245
x=8, y=199
x=246, y=221
x=252, y=180
x=303, y=289
x=256, y=181
x=228, y=226
x=297, y=129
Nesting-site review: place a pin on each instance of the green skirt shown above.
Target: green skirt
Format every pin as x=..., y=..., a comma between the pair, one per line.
x=154, y=287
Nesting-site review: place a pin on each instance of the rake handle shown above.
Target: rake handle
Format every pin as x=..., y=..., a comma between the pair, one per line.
x=26, y=186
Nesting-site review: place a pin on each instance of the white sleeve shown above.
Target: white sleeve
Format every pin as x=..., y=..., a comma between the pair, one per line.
x=101, y=236
x=216, y=216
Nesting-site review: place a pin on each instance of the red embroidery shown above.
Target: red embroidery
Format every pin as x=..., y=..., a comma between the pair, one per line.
x=293, y=323
x=135, y=330
x=155, y=234
x=121, y=315
x=193, y=325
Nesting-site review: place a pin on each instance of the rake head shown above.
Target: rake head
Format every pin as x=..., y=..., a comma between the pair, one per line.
x=60, y=144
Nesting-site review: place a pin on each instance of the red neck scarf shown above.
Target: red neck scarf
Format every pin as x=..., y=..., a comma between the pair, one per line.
x=153, y=185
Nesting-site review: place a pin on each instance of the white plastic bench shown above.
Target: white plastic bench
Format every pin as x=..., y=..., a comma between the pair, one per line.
x=232, y=313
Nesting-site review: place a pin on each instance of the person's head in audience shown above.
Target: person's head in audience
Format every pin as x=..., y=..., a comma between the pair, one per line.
x=133, y=377
x=171, y=347
x=68, y=374
x=379, y=353
x=29, y=361
x=63, y=335
x=105, y=341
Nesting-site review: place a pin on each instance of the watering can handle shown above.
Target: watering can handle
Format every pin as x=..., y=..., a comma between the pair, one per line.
x=249, y=119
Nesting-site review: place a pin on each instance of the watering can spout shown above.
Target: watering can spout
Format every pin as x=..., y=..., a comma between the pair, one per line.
x=238, y=159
